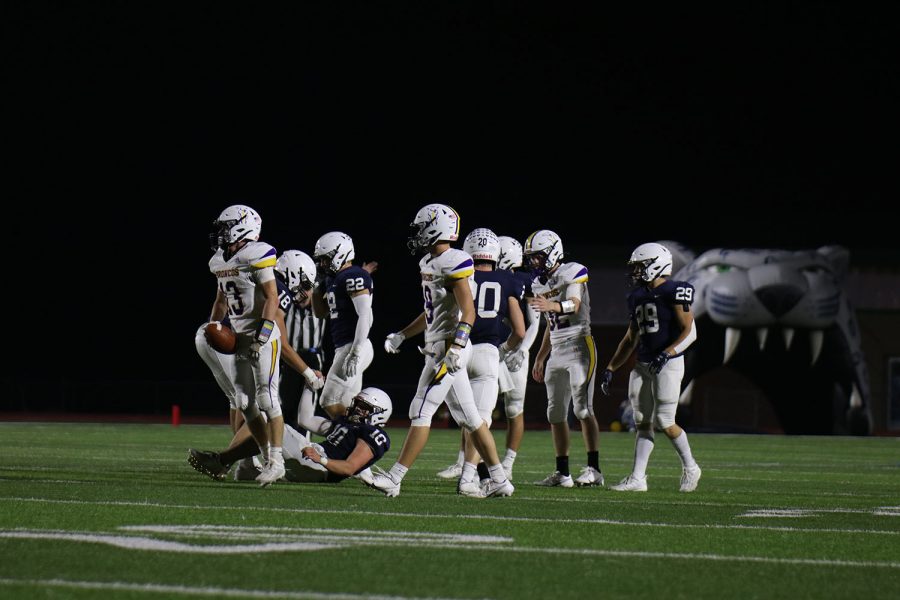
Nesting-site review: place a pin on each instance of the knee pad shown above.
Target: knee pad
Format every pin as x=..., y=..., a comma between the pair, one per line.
x=582, y=410
x=514, y=406
x=665, y=414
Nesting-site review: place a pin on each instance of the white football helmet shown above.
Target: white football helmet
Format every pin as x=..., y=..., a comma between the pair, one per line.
x=543, y=251
x=236, y=223
x=371, y=405
x=298, y=271
x=333, y=250
x=433, y=223
x=483, y=244
x=510, y=253
x=649, y=261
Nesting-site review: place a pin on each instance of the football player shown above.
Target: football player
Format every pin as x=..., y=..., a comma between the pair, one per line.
x=354, y=442
x=514, y=369
x=661, y=328
x=447, y=321
x=561, y=295
x=247, y=293
x=497, y=296
x=344, y=296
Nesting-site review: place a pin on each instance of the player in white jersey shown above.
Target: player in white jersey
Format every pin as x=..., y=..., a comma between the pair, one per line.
x=497, y=297
x=560, y=293
x=513, y=377
x=446, y=321
x=246, y=292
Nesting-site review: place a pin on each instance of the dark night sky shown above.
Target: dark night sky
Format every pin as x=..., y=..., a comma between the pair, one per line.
x=744, y=126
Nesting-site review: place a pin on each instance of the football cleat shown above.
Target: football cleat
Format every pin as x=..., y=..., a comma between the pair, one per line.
x=365, y=476
x=384, y=483
x=271, y=473
x=631, y=484
x=689, y=479
x=589, y=476
x=492, y=489
x=207, y=463
x=451, y=472
x=469, y=488
x=556, y=479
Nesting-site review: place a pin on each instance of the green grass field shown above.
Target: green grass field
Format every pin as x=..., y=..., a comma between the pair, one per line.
x=100, y=511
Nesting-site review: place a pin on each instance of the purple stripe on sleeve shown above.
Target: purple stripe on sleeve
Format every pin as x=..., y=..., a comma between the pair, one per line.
x=467, y=263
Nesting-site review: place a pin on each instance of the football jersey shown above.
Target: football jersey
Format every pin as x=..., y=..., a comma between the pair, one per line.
x=438, y=273
x=492, y=292
x=341, y=312
x=653, y=312
x=342, y=438
x=523, y=278
x=565, y=327
x=239, y=278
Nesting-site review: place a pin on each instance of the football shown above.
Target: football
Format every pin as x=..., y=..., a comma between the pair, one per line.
x=221, y=338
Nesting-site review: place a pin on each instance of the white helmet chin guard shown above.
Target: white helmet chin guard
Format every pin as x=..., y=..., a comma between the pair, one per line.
x=650, y=261
x=433, y=223
x=371, y=405
x=510, y=253
x=543, y=251
x=236, y=223
x=298, y=271
x=482, y=244
x=333, y=250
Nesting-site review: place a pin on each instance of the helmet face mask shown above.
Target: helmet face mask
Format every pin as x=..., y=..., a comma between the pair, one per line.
x=236, y=223
x=482, y=244
x=333, y=251
x=298, y=271
x=649, y=262
x=432, y=224
x=371, y=405
x=543, y=252
x=510, y=253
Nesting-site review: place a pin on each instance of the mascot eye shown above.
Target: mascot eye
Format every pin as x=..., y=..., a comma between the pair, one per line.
x=721, y=268
x=815, y=269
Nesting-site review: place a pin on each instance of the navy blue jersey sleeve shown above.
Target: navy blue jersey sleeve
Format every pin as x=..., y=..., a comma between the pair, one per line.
x=285, y=299
x=357, y=280
x=376, y=438
x=681, y=292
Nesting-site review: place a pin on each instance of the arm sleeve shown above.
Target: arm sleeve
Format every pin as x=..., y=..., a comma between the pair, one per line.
x=531, y=330
x=692, y=335
x=363, y=305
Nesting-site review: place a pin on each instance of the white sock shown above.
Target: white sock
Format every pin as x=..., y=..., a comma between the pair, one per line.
x=498, y=475
x=365, y=472
x=684, y=451
x=509, y=458
x=461, y=459
x=469, y=472
x=643, y=446
x=275, y=455
x=398, y=472
x=265, y=454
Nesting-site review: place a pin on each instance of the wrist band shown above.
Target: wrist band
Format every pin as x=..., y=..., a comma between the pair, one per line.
x=323, y=460
x=461, y=336
x=265, y=331
x=567, y=307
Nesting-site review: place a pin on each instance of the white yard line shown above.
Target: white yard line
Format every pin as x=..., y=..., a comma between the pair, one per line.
x=475, y=517
x=200, y=591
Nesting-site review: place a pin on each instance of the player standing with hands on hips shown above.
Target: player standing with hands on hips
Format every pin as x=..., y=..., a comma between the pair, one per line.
x=661, y=329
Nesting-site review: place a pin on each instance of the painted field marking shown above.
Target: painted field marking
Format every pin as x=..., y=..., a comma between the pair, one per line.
x=471, y=517
x=202, y=591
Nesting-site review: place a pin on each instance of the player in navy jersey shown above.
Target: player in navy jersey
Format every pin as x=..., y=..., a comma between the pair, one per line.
x=344, y=296
x=661, y=329
x=514, y=369
x=497, y=295
x=355, y=442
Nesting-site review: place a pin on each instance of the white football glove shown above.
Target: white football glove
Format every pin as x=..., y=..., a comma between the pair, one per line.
x=453, y=359
x=514, y=360
x=312, y=380
x=392, y=343
x=350, y=365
